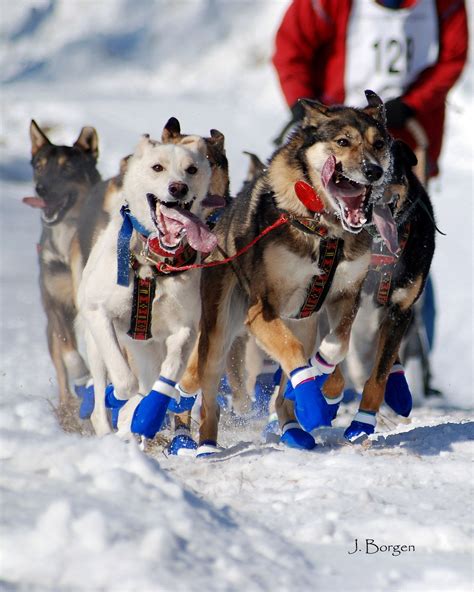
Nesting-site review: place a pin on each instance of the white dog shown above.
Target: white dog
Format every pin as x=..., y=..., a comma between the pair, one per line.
x=142, y=320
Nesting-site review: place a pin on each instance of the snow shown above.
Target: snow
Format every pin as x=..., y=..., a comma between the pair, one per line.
x=79, y=513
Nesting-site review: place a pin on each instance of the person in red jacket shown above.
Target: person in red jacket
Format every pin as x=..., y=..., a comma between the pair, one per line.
x=410, y=52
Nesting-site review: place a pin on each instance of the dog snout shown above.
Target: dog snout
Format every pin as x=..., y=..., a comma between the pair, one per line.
x=372, y=171
x=41, y=189
x=178, y=190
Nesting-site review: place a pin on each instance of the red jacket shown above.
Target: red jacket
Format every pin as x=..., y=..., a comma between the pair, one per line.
x=310, y=53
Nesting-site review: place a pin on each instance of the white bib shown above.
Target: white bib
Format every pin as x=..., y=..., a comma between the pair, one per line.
x=386, y=49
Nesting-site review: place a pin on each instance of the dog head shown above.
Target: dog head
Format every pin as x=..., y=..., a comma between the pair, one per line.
x=345, y=154
x=165, y=186
x=218, y=193
x=62, y=174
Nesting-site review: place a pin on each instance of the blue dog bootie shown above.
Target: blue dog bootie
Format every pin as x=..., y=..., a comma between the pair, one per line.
x=150, y=412
x=294, y=437
x=182, y=442
x=363, y=424
x=207, y=448
x=397, y=391
x=310, y=405
x=184, y=402
x=86, y=393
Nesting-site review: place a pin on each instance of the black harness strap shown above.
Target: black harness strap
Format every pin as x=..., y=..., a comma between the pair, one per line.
x=144, y=290
x=329, y=255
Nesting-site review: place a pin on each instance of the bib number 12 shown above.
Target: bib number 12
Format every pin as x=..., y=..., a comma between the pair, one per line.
x=393, y=56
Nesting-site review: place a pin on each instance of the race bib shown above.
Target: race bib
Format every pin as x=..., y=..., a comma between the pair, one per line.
x=386, y=49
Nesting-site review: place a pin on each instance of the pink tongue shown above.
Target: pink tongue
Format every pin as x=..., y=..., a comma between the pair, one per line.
x=34, y=202
x=328, y=170
x=176, y=221
x=213, y=201
x=383, y=219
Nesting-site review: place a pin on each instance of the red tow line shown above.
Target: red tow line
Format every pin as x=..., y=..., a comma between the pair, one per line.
x=283, y=219
x=305, y=193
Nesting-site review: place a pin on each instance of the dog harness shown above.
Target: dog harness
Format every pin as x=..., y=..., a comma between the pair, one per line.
x=158, y=259
x=383, y=264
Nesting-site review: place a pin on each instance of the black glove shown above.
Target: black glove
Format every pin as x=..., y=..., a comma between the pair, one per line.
x=397, y=112
x=297, y=114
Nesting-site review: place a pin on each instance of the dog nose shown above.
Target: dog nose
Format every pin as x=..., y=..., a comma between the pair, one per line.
x=373, y=172
x=178, y=190
x=40, y=189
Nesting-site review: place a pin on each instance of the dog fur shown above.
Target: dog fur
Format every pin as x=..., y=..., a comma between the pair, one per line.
x=106, y=306
x=265, y=287
x=63, y=177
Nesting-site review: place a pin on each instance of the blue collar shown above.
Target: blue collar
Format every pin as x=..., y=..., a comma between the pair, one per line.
x=129, y=224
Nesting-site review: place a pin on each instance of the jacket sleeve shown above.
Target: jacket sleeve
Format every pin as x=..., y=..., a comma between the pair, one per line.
x=304, y=28
x=432, y=86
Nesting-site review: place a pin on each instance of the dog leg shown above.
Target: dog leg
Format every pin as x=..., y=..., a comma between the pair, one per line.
x=219, y=324
x=124, y=381
x=236, y=374
x=54, y=345
x=99, y=418
x=275, y=337
x=392, y=330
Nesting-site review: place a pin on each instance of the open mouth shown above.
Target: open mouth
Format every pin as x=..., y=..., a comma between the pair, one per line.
x=351, y=197
x=52, y=214
x=174, y=221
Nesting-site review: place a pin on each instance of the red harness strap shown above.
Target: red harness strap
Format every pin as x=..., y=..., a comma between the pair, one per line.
x=384, y=263
x=329, y=255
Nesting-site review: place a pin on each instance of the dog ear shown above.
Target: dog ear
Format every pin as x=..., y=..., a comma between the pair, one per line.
x=142, y=144
x=375, y=107
x=256, y=166
x=401, y=150
x=217, y=139
x=88, y=141
x=171, y=131
x=38, y=137
x=314, y=111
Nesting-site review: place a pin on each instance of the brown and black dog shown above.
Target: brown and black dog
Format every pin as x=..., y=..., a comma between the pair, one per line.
x=341, y=156
x=63, y=177
x=392, y=287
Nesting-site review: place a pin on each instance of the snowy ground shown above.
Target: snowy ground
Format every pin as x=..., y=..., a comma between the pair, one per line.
x=96, y=515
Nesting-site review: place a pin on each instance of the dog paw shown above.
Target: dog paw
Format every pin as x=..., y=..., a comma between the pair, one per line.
x=86, y=394
x=207, y=448
x=186, y=401
x=182, y=443
x=362, y=425
x=397, y=392
x=149, y=414
x=294, y=437
x=311, y=408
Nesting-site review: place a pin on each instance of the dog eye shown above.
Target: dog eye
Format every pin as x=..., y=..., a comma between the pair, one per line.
x=344, y=142
x=192, y=170
x=157, y=168
x=379, y=144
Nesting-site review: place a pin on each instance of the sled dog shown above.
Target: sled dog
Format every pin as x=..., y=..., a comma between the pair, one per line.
x=316, y=192
x=129, y=300
x=63, y=177
x=393, y=285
